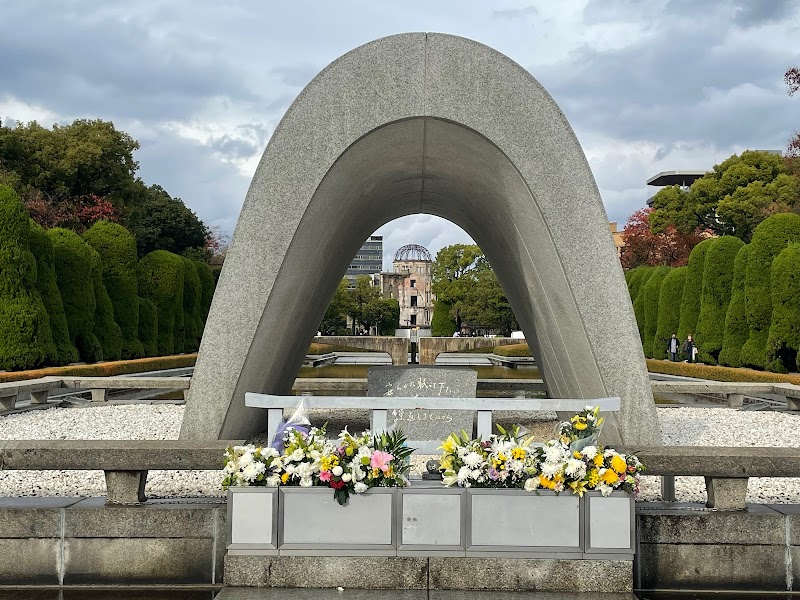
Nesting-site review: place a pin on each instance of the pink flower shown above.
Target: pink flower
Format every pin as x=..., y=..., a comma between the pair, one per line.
x=324, y=475
x=380, y=460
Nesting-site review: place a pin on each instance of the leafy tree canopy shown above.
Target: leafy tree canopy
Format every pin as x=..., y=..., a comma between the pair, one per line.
x=732, y=199
x=644, y=247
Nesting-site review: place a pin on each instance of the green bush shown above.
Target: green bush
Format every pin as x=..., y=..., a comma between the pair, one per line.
x=25, y=337
x=784, y=332
x=717, y=285
x=62, y=351
x=717, y=373
x=636, y=278
x=106, y=329
x=669, y=310
x=73, y=265
x=441, y=323
x=117, y=249
x=693, y=290
x=638, y=282
x=192, y=297
x=511, y=350
x=161, y=282
x=148, y=326
x=207, y=284
x=651, y=293
x=769, y=239
x=106, y=369
x=736, y=329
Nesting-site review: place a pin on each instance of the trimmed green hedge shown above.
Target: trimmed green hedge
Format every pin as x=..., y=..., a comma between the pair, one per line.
x=106, y=329
x=736, y=329
x=25, y=337
x=117, y=249
x=784, y=332
x=192, y=297
x=441, y=323
x=717, y=281
x=518, y=350
x=770, y=238
x=669, y=311
x=207, y=285
x=106, y=369
x=73, y=266
x=148, y=326
x=651, y=293
x=693, y=290
x=63, y=351
x=161, y=282
x=637, y=285
x=716, y=373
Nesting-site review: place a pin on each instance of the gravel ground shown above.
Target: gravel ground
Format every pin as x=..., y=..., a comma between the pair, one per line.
x=679, y=426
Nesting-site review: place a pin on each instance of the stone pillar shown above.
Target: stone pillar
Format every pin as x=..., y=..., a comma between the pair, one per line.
x=99, y=395
x=726, y=493
x=126, y=487
x=40, y=397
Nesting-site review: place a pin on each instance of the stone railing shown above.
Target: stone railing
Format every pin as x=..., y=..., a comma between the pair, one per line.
x=726, y=469
x=125, y=462
x=39, y=389
x=734, y=392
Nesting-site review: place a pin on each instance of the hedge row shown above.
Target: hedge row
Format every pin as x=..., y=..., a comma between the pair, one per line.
x=741, y=303
x=105, y=369
x=65, y=297
x=718, y=373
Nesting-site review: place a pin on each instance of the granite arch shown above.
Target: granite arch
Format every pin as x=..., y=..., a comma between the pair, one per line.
x=421, y=123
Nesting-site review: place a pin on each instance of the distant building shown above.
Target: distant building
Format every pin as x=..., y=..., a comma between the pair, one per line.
x=410, y=284
x=368, y=261
x=619, y=243
x=668, y=178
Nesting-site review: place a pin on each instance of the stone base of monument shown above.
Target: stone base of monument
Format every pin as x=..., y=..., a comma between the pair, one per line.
x=293, y=537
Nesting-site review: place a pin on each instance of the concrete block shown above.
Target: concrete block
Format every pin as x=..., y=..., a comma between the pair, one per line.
x=757, y=525
x=30, y=561
x=40, y=397
x=712, y=567
x=99, y=395
x=8, y=402
x=137, y=561
x=146, y=521
x=530, y=574
x=735, y=400
x=126, y=487
x=220, y=541
x=30, y=523
x=726, y=493
x=367, y=572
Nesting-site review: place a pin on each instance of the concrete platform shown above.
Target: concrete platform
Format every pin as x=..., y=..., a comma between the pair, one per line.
x=354, y=594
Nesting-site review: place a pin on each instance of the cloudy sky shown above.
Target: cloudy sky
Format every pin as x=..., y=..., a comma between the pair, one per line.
x=647, y=86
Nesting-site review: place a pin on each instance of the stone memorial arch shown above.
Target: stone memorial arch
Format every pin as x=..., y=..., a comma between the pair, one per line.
x=421, y=123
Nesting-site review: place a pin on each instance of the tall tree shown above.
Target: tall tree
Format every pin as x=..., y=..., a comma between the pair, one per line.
x=644, y=247
x=334, y=322
x=732, y=199
x=454, y=273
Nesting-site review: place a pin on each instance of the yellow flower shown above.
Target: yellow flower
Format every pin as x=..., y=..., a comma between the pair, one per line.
x=598, y=460
x=446, y=462
x=593, y=478
x=609, y=477
x=349, y=451
x=284, y=478
x=518, y=454
x=449, y=445
x=580, y=425
x=578, y=487
x=546, y=482
x=618, y=464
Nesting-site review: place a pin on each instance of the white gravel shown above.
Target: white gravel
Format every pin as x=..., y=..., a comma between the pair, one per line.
x=679, y=426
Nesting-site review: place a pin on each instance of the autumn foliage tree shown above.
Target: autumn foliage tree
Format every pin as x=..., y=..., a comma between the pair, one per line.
x=792, y=80
x=644, y=247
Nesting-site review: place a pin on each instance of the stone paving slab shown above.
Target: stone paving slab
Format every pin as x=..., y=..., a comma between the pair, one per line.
x=355, y=594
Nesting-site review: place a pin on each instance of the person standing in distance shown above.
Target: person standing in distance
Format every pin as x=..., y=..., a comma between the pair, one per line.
x=673, y=348
x=688, y=348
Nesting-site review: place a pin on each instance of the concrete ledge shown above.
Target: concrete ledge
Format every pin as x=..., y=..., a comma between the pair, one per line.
x=368, y=572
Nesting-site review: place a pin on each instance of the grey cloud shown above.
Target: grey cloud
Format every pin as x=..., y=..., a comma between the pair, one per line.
x=295, y=75
x=752, y=13
x=243, y=142
x=516, y=13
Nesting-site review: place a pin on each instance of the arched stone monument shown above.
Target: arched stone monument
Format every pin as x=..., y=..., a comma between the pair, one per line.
x=421, y=123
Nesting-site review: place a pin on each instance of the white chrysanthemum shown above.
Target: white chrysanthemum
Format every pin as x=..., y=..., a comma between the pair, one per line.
x=240, y=449
x=306, y=482
x=604, y=489
x=267, y=452
x=337, y=470
x=464, y=474
x=549, y=469
x=315, y=455
x=515, y=466
x=230, y=468
x=473, y=459
x=346, y=477
x=357, y=473
x=290, y=469
x=531, y=484
x=475, y=474
x=360, y=488
x=245, y=460
x=589, y=452
x=273, y=480
x=554, y=453
x=364, y=451
x=462, y=451
x=575, y=468
x=297, y=455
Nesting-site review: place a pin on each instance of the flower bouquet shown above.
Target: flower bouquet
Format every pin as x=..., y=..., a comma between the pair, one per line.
x=251, y=465
x=571, y=462
x=507, y=460
x=581, y=430
x=353, y=464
